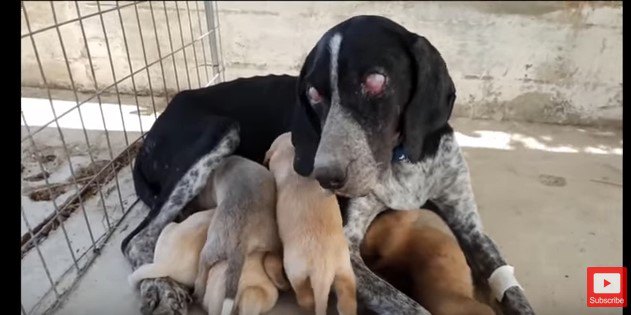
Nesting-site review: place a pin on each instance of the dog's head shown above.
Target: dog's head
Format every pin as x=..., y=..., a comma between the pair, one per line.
x=366, y=88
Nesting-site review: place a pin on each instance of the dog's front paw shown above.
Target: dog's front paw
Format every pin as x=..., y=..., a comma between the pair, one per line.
x=163, y=296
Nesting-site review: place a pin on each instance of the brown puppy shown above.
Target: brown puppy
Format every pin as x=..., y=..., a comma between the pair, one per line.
x=177, y=251
x=417, y=253
x=242, y=249
x=315, y=250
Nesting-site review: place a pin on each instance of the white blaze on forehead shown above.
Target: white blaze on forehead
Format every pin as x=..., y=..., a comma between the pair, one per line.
x=334, y=49
x=342, y=139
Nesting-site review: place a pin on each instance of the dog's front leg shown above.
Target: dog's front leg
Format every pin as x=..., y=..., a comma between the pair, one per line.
x=163, y=295
x=458, y=209
x=373, y=292
x=159, y=295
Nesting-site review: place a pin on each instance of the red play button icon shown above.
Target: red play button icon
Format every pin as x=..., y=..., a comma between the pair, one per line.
x=606, y=286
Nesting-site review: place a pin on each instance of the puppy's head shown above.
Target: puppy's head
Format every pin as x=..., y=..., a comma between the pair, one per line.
x=368, y=86
x=280, y=154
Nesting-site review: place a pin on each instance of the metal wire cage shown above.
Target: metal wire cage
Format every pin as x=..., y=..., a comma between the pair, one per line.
x=95, y=75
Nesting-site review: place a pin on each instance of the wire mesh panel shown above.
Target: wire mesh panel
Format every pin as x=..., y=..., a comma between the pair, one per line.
x=95, y=76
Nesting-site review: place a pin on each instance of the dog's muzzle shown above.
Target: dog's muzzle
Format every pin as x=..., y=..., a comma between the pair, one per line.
x=329, y=174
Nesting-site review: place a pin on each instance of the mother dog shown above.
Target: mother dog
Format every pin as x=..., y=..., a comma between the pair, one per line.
x=368, y=116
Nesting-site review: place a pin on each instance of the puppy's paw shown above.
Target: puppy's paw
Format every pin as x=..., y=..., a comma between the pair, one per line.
x=305, y=301
x=163, y=296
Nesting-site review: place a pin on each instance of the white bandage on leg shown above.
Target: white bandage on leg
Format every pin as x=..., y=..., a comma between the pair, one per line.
x=501, y=280
x=228, y=304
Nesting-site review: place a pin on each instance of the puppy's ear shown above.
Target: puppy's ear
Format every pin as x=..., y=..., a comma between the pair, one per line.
x=433, y=97
x=305, y=129
x=268, y=156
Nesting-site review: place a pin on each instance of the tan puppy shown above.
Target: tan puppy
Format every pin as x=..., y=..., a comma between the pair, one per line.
x=315, y=250
x=418, y=245
x=256, y=294
x=177, y=251
x=242, y=252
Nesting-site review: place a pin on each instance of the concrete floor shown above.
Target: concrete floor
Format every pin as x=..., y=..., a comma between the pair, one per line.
x=550, y=196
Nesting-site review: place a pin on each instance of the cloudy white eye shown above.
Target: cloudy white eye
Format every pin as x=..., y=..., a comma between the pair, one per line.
x=314, y=96
x=374, y=84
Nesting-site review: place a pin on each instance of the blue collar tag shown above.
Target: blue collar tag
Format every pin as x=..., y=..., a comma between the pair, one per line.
x=398, y=154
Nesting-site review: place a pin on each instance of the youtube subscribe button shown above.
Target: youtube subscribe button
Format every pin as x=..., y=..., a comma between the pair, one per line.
x=606, y=286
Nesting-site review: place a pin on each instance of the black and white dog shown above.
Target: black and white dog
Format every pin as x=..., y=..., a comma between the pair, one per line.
x=368, y=116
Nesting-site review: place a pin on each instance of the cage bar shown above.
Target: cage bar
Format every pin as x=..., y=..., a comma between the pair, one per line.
x=98, y=193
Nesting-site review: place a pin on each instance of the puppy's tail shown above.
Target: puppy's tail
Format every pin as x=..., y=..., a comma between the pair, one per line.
x=146, y=271
x=153, y=211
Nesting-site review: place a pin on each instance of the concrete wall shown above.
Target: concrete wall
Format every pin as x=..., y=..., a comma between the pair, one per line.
x=557, y=62
x=187, y=62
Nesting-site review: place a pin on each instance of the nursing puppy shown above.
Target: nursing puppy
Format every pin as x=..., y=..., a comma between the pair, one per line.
x=315, y=250
x=242, y=247
x=417, y=245
x=177, y=251
x=256, y=294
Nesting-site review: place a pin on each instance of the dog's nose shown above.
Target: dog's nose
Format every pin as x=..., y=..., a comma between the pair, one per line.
x=330, y=176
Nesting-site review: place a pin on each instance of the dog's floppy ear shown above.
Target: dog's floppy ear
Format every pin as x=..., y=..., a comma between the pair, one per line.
x=305, y=129
x=305, y=138
x=432, y=100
